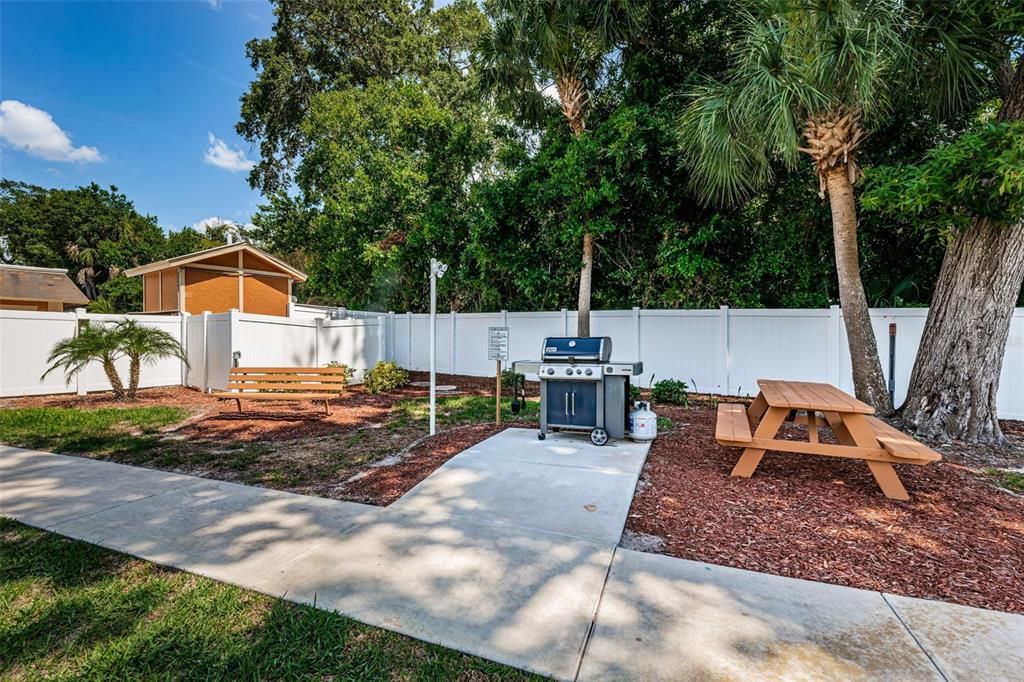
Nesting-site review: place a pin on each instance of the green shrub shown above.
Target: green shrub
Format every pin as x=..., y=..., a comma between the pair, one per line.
x=670, y=392
x=634, y=393
x=348, y=373
x=385, y=376
x=508, y=376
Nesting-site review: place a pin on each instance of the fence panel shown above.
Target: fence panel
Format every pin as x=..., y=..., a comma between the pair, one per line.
x=26, y=338
x=356, y=343
x=684, y=345
x=270, y=341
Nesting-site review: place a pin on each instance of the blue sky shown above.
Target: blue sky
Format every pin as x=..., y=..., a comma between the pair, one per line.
x=135, y=90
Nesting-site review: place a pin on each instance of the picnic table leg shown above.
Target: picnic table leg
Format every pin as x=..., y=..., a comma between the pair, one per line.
x=239, y=403
x=327, y=407
x=751, y=457
x=757, y=409
x=839, y=428
x=886, y=477
x=887, y=480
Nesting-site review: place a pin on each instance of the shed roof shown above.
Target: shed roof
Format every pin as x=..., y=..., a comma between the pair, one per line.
x=217, y=251
x=41, y=284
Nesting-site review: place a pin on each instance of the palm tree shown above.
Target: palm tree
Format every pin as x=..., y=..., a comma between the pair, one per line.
x=144, y=345
x=93, y=343
x=534, y=45
x=822, y=71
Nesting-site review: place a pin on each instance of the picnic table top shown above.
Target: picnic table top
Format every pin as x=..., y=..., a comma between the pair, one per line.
x=810, y=395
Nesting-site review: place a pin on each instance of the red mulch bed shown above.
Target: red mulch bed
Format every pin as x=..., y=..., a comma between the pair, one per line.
x=267, y=420
x=822, y=518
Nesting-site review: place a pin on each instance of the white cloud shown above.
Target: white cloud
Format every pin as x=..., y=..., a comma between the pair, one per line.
x=34, y=132
x=220, y=155
x=215, y=4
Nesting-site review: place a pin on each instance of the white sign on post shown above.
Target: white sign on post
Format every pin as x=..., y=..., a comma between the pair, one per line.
x=497, y=343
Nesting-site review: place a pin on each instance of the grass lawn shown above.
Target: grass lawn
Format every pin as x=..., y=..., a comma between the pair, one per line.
x=70, y=610
x=461, y=409
x=103, y=430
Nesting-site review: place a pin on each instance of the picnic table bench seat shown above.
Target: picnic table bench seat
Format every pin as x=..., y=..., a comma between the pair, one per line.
x=284, y=383
x=900, y=444
x=732, y=426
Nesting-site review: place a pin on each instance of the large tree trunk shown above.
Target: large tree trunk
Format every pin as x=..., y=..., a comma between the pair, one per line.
x=868, y=381
x=953, y=386
x=572, y=93
x=955, y=378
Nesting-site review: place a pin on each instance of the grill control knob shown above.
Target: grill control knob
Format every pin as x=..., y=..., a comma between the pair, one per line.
x=568, y=370
x=589, y=371
x=551, y=370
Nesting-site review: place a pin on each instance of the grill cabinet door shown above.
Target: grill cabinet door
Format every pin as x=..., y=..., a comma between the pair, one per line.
x=583, y=405
x=556, y=402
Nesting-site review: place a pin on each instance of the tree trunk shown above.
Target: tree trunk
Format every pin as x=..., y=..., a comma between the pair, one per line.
x=955, y=378
x=114, y=378
x=583, y=306
x=133, y=377
x=868, y=381
x=572, y=94
x=953, y=386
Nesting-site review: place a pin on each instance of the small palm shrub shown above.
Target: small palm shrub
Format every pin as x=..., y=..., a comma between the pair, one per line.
x=104, y=344
x=670, y=392
x=347, y=374
x=385, y=376
x=144, y=345
x=93, y=343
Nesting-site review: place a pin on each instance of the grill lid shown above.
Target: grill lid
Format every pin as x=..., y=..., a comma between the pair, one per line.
x=577, y=348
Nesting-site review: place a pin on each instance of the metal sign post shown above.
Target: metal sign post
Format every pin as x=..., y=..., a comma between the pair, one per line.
x=497, y=350
x=437, y=270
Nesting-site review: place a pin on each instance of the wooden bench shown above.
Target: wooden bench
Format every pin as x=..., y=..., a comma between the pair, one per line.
x=284, y=383
x=732, y=425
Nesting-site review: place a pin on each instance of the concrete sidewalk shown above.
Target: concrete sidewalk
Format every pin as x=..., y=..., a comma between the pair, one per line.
x=509, y=552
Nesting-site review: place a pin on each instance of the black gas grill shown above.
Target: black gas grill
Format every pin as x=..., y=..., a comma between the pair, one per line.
x=580, y=388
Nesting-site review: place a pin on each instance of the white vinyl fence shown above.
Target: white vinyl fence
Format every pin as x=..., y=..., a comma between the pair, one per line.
x=216, y=342
x=213, y=344
x=722, y=351
x=26, y=338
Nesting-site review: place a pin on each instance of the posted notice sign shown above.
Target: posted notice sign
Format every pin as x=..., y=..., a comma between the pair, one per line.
x=497, y=343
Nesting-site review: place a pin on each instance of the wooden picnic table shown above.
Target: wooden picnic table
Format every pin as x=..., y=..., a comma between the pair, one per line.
x=860, y=435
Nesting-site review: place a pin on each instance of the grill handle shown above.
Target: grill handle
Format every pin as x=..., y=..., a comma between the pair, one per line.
x=574, y=403
x=567, y=403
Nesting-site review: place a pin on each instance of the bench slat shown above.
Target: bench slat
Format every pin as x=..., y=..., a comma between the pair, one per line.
x=732, y=425
x=287, y=378
x=900, y=444
x=288, y=370
x=273, y=396
x=307, y=387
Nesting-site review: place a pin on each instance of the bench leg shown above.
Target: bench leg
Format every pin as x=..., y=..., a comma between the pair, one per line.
x=887, y=480
x=751, y=457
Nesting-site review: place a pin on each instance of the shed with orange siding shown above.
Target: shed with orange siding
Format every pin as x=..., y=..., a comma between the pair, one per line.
x=234, y=276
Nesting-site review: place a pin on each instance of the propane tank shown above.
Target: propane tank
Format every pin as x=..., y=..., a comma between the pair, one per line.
x=643, y=423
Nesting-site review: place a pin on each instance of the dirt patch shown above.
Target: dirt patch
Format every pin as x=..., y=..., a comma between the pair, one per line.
x=819, y=518
x=383, y=485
